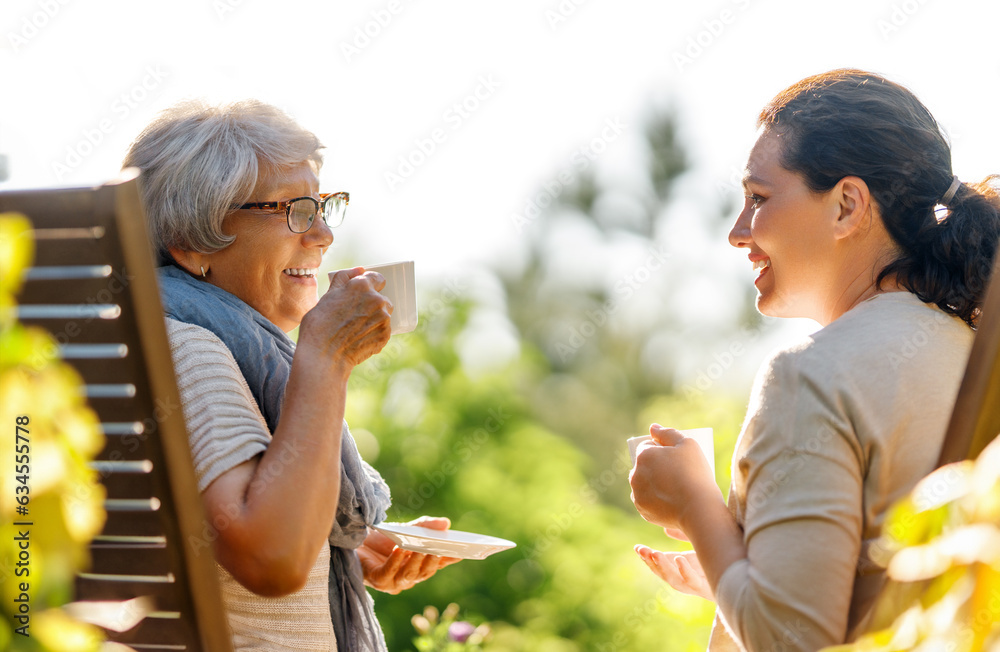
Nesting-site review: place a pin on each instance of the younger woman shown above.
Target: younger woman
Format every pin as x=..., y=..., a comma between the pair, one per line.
x=854, y=218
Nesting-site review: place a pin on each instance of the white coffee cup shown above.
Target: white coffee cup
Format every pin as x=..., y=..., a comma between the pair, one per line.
x=704, y=437
x=401, y=290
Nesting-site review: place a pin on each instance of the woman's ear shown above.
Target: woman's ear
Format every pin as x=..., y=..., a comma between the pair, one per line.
x=195, y=263
x=855, y=206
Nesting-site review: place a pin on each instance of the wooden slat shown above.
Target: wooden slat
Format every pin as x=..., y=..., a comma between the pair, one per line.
x=166, y=632
x=103, y=370
x=71, y=252
x=55, y=208
x=133, y=524
x=118, y=409
x=129, y=559
x=124, y=448
x=165, y=594
x=80, y=331
x=85, y=291
x=127, y=485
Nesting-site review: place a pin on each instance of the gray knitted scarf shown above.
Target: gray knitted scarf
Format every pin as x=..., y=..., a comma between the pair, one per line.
x=264, y=355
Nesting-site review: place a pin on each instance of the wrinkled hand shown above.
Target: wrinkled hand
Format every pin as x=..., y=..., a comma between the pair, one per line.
x=391, y=569
x=671, y=479
x=350, y=321
x=681, y=570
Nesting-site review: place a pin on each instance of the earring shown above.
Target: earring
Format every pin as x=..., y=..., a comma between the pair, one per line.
x=202, y=271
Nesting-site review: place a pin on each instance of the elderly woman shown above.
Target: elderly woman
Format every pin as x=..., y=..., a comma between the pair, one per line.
x=853, y=218
x=240, y=228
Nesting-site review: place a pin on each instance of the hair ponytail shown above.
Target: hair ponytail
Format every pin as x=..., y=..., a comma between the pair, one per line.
x=855, y=123
x=951, y=262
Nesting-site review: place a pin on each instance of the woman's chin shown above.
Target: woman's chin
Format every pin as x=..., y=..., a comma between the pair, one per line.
x=770, y=306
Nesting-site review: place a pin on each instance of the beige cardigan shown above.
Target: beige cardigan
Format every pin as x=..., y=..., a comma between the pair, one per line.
x=225, y=429
x=839, y=427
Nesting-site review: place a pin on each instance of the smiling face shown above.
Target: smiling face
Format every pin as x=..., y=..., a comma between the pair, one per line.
x=267, y=266
x=787, y=229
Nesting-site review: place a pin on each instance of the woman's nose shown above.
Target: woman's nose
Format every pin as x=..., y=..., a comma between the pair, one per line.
x=739, y=236
x=319, y=234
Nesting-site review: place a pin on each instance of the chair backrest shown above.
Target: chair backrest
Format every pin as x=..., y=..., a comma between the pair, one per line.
x=975, y=420
x=93, y=287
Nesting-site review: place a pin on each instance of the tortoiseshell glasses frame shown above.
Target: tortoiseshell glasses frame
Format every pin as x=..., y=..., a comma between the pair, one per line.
x=301, y=212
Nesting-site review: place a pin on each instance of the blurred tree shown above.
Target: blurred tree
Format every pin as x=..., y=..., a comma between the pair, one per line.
x=597, y=330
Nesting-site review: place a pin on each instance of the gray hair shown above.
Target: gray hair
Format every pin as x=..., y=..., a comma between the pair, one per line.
x=198, y=161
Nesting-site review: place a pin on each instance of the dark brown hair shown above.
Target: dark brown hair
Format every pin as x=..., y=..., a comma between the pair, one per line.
x=855, y=123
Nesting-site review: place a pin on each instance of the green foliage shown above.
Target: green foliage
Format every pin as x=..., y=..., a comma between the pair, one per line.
x=942, y=549
x=65, y=502
x=470, y=448
x=602, y=323
x=535, y=451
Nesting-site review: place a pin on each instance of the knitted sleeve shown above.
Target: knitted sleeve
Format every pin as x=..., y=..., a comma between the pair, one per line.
x=225, y=425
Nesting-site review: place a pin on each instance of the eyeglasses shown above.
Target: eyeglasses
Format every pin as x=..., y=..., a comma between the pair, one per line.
x=301, y=212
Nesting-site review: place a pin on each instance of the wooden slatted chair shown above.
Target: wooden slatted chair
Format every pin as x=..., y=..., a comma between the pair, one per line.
x=94, y=288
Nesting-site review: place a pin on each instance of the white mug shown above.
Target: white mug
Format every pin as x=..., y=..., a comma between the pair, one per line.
x=401, y=290
x=704, y=437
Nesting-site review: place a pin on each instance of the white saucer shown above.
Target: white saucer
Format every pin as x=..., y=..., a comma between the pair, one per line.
x=446, y=543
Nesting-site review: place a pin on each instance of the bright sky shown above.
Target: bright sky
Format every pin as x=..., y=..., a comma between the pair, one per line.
x=501, y=97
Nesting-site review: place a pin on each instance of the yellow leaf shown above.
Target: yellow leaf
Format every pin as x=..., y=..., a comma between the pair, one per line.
x=943, y=486
x=83, y=509
x=57, y=631
x=17, y=249
x=973, y=543
x=918, y=563
x=985, y=604
x=82, y=431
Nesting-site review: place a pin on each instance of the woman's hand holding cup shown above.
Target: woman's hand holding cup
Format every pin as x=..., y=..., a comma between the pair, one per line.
x=670, y=479
x=352, y=320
